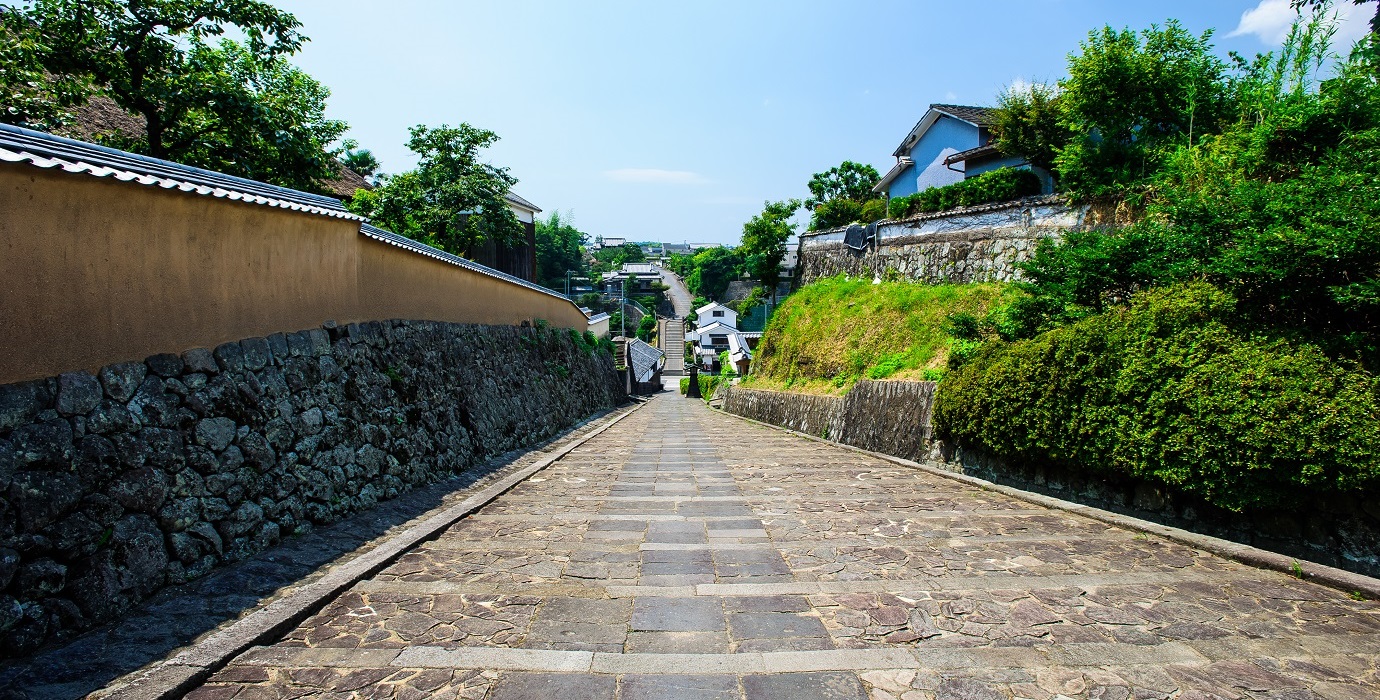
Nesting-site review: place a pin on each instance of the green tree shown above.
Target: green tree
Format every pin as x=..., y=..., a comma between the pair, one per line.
x=848, y=180
x=1132, y=97
x=141, y=51
x=1029, y=123
x=840, y=195
x=360, y=160
x=258, y=117
x=714, y=269
x=30, y=96
x=452, y=200
x=764, y=240
x=613, y=258
x=1325, y=4
x=558, y=250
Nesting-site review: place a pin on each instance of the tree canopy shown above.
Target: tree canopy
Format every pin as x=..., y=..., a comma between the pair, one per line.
x=559, y=250
x=764, y=240
x=843, y=194
x=234, y=106
x=452, y=199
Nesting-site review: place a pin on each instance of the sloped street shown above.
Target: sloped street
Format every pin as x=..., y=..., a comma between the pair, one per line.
x=690, y=554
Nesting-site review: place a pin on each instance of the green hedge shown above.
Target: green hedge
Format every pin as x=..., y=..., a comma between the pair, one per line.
x=707, y=385
x=1167, y=391
x=1000, y=185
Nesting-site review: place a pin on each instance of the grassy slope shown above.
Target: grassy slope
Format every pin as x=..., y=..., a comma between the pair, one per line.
x=834, y=332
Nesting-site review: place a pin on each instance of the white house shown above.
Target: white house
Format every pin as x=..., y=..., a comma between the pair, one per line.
x=714, y=312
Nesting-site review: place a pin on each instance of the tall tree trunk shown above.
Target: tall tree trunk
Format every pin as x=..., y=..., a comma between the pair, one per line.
x=154, y=132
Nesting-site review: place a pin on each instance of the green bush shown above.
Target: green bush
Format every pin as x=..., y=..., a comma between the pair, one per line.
x=999, y=185
x=841, y=212
x=1170, y=391
x=707, y=385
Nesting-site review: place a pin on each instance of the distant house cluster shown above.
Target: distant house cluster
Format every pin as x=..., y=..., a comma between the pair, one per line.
x=948, y=144
x=637, y=277
x=717, y=332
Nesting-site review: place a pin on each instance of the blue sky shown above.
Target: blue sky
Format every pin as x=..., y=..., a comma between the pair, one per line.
x=675, y=121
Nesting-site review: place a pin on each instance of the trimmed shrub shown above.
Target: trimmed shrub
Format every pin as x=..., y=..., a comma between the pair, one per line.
x=1168, y=391
x=1000, y=185
x=708, y=384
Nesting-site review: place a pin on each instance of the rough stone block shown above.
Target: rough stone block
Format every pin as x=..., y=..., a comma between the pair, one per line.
x=122, y=380
x=78, y=393
x=255, y=352
x=200, y=360
x=165, y=365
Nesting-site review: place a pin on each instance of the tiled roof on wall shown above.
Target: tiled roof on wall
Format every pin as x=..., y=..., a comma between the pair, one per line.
x=18, y=145
x=401, y=241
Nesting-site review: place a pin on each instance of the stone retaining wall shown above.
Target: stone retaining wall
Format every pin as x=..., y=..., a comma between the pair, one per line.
x=890, y=417
x=806, y=413
x=151, y=473
x=975, y=244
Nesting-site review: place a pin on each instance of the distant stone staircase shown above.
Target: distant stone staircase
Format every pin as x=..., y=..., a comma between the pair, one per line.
x=672, y=335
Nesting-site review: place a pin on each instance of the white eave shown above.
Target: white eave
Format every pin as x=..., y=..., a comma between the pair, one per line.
x=902, y=163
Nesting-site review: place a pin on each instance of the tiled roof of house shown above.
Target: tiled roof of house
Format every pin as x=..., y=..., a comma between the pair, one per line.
x=972, y=154
x=514, y=199
x=982, y=116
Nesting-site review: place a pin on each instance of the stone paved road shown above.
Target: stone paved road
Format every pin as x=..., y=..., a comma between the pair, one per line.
x=691, y=555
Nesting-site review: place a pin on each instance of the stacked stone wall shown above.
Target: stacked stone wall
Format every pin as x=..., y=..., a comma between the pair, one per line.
x=976, y=244
x=146, y=474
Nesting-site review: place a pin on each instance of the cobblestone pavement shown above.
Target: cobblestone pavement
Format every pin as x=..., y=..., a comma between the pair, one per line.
x=692, y=555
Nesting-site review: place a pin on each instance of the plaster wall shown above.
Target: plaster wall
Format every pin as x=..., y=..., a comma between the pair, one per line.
x=95, y=271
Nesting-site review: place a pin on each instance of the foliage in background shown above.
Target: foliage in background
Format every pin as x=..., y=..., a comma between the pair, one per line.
x=1028, y=123
x=708, y=383
x=360, y=160
x=713, y=269
x=253, y=116
x=764, y=241
x=30, y=96
x=1172, y=390
x=608, y=259
x=234, y=106
x=559, y=249
x=1000, y=185
x=841, y=195
x=1281, y=210
x=646, y=328
x=833, y=332
x=452, y=200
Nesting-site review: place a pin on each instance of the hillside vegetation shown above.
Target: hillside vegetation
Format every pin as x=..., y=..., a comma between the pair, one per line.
x=1226, y=344
x=832, y=333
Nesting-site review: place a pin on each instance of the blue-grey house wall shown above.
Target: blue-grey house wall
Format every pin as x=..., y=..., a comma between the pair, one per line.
x=944, y=138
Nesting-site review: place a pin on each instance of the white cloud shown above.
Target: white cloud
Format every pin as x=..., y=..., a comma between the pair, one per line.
x=950, y=96
x=655, y=176
x=1270, y=20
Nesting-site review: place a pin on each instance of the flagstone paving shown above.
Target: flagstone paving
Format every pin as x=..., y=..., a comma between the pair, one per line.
x=691, y=555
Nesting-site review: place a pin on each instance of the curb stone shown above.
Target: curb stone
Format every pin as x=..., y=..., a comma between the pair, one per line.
x=1332, y=577
x=175, y=676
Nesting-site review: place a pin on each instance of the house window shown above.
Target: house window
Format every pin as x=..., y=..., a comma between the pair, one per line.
x=718, y=314
x=718, y=340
